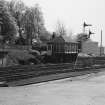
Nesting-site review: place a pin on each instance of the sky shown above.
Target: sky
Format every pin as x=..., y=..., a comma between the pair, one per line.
x=72, y=13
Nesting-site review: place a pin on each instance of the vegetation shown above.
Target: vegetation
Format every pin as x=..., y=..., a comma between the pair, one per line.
x=33, y=23
x=23, y=26
x=8, y=24
x=22, y=23
x=17, y=9
x=60, y=29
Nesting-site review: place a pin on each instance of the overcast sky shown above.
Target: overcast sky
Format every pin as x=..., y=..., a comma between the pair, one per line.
x=73, y=13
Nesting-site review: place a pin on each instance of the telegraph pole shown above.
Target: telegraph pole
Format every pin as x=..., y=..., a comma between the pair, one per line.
x=90, y=33
x=85, y=25
x=101, y=44
x=101, y=38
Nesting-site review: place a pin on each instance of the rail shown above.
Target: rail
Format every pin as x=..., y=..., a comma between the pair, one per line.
x=13, y=74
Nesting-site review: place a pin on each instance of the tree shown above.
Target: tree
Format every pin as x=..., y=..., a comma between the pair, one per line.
x=29, y=20
x=28, y=25
x=45, y=36
x=60, y=30
x=33, y=23
x=11, y=8
x=8, y=27
x=17, y=10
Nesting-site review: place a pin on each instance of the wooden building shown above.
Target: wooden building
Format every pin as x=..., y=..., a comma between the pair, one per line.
x=61, y=45
x=62, y=48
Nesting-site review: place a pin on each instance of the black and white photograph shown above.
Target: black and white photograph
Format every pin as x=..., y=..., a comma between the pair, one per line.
x=52, y=52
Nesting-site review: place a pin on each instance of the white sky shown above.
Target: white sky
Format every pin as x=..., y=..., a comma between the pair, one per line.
x=73, y=13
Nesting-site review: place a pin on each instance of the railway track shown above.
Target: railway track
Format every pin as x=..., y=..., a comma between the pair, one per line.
x=45, y=78
x=16, y=73
x=10, y=74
